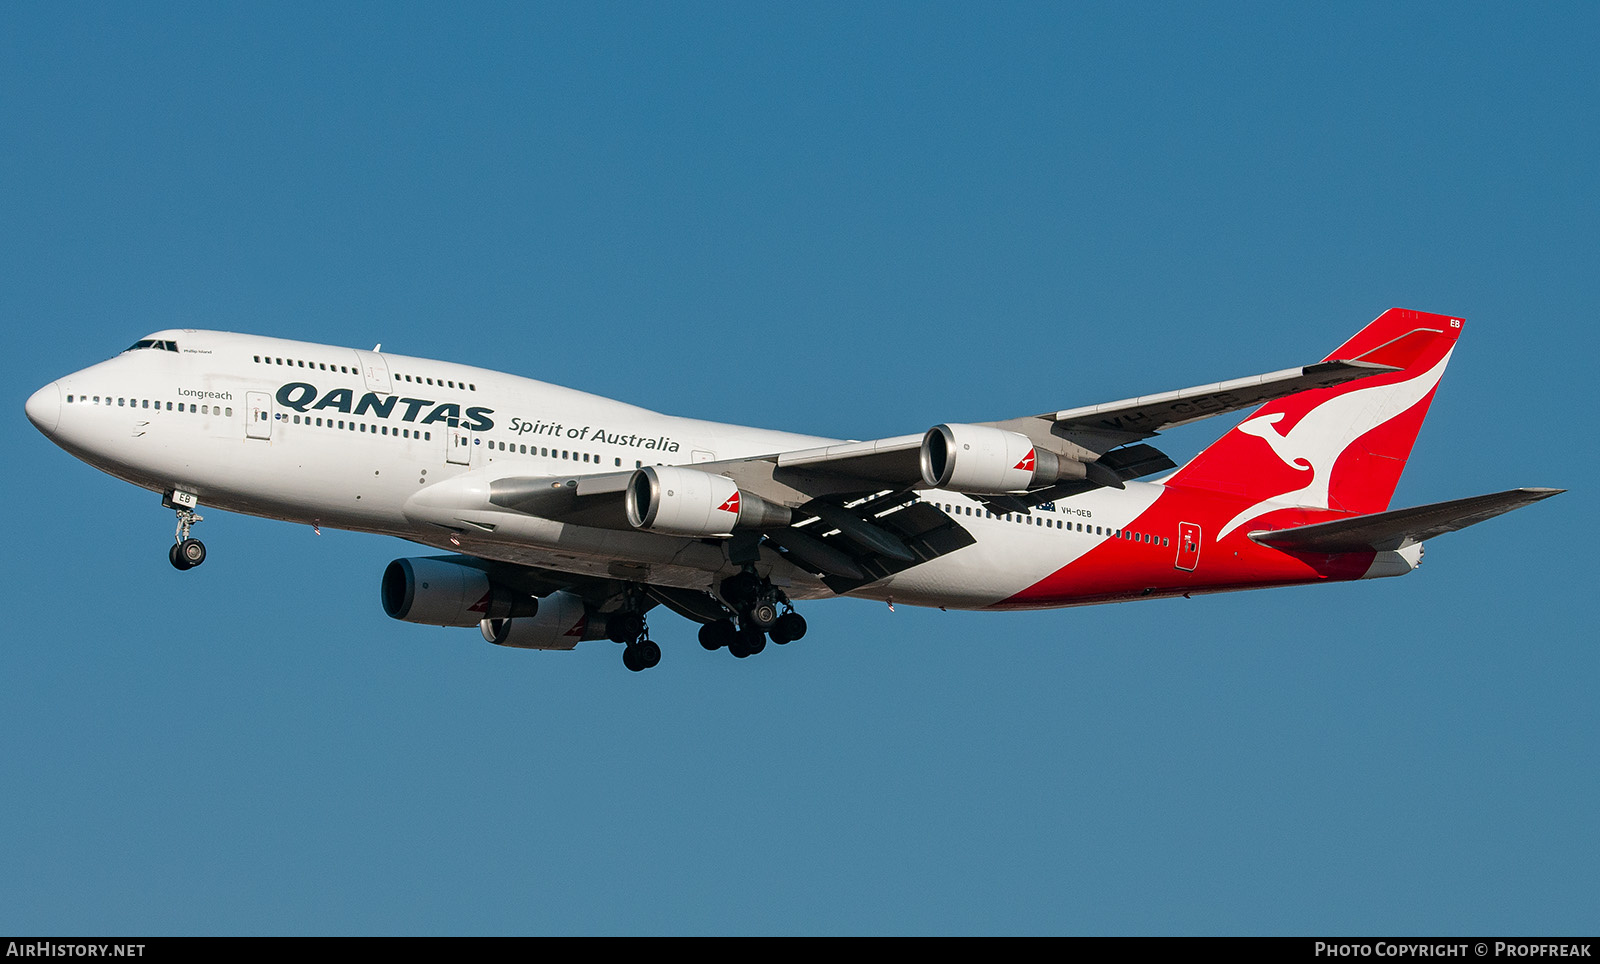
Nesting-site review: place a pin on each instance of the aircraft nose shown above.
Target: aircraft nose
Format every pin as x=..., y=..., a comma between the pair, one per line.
x=44, y=408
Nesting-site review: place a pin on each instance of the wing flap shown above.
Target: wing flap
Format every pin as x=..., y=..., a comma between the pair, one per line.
x=1399, y=528
x=926, y=531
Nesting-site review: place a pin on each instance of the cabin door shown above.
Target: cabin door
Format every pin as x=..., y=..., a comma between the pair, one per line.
x=460, y=451
x=258, y=409
x=1188, y=546
x=375, y=371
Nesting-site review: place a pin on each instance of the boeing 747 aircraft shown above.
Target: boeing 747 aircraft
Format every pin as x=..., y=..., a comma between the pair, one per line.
x=569, y=517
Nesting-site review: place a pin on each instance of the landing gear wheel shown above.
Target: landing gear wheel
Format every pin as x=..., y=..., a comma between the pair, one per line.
x=641, y=656
x=176, y=559
x=789, y=627
x=649, y=652
x=748, y=641
x=764, y=613
x=714, y=636
x=192, y=552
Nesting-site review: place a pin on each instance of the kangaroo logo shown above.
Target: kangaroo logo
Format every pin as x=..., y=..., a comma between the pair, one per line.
x=1026, y=465
x=1315, y=442
x=732, y=505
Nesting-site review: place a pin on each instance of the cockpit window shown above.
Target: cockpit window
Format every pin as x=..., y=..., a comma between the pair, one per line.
x=153, y=343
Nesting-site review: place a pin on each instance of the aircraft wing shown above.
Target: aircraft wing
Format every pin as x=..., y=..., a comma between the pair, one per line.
x=1399, y=528
x=1099, y=428
x=1084, y=434
x=843, y=471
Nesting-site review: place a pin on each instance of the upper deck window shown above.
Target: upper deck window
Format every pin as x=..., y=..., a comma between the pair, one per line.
x=153, y=343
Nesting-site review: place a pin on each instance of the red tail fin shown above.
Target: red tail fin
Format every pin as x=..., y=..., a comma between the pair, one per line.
x=1338, y=448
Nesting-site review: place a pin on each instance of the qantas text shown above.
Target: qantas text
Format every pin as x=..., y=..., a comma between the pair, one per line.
x=299, y=396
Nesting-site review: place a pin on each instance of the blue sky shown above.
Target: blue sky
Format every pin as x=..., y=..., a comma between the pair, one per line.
x=850, y=220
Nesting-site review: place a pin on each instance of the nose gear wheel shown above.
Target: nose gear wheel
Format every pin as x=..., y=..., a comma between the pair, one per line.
x=186, y=553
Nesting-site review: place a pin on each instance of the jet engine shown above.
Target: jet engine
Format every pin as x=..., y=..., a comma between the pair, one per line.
x=562, y=622
x=440, y=592
x=680, y=501
x=990, y=461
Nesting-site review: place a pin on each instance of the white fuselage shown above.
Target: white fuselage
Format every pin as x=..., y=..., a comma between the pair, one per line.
x=358, y=440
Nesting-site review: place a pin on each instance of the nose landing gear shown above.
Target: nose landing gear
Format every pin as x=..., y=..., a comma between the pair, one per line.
x=185, y=553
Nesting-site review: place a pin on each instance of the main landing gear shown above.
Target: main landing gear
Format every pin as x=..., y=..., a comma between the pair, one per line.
x=185, y=553
x=627, y=626
x=757, y=612
x=763, y=612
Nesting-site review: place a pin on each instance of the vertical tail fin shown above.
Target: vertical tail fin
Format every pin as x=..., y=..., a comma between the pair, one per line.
x=1337, y=448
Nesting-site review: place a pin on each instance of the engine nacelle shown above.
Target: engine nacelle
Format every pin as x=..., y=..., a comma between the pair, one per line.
x=439, y=592
x=989, y=461
x=680, y=501
x=562, y=622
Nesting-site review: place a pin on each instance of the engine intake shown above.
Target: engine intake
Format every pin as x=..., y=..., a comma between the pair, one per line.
x=990, y=461
x=674, y=500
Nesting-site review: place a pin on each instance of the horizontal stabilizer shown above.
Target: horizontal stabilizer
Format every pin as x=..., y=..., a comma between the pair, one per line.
x=1399, y=528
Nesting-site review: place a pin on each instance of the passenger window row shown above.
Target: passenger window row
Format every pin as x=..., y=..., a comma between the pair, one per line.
x=1032, y=520
x=351, y=425
x=300, y=363
x=436, y=382
x=154, y=406
x=549, y=453
x=349, y=370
